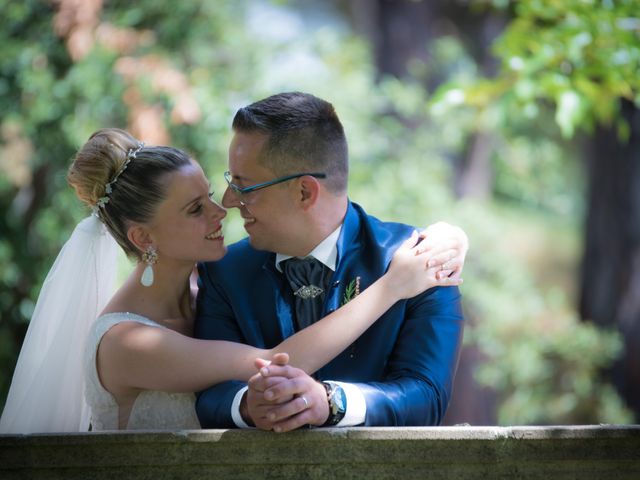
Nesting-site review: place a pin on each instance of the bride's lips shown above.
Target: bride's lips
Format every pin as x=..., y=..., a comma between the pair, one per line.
x=215, y=234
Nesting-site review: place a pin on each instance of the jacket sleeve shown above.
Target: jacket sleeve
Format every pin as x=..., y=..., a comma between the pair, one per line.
x=215, y=321
x=419, y=374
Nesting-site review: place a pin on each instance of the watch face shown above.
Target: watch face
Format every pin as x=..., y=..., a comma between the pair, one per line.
x=340, y=399
x=337, y=403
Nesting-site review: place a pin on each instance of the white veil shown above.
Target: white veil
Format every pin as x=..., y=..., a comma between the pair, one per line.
x=47, y=390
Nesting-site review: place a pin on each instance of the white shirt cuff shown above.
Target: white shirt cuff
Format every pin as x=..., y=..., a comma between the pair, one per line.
x=356, y=406
x=235, y=409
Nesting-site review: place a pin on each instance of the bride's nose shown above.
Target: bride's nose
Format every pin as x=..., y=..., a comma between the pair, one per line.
x=217, y=211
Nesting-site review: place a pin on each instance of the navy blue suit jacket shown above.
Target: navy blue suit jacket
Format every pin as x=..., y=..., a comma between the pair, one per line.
x=404, y=364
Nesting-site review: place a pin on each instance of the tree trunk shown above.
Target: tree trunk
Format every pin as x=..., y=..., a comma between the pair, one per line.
x=471, y=403
x=610, y=280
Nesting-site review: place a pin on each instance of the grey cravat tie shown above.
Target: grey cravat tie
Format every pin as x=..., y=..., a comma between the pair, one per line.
x=307, y=278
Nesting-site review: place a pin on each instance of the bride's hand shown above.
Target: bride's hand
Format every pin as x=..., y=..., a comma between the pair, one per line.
x=277, y=359
x=409, y=273
x=447, y=245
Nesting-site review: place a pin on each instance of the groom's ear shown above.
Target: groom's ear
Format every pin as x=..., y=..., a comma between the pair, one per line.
x=309, y=191
x=139, y=236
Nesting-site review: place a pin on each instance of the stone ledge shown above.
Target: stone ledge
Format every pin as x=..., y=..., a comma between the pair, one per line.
x=585, y=452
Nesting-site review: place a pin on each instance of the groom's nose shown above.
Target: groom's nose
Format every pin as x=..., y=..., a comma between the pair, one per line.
x=230, y=199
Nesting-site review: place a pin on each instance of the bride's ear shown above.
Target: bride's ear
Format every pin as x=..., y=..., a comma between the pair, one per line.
x=140, y=237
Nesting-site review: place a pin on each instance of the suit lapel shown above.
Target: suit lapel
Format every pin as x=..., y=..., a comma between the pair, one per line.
x=351, y=263
x=283, y=302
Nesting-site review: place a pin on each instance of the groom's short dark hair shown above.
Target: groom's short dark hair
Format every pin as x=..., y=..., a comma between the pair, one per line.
x=305, y=134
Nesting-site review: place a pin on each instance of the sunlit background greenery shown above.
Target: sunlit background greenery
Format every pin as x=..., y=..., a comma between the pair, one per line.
x=175, y=72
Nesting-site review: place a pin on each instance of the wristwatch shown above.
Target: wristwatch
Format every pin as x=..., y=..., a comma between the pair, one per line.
x=337, y=403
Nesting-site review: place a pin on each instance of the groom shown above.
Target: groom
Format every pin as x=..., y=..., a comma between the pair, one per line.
x=288, y=170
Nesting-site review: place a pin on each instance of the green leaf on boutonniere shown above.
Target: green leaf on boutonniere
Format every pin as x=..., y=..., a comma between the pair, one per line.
x=351, y=291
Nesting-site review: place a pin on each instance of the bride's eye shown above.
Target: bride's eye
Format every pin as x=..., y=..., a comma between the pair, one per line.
x=196, y=210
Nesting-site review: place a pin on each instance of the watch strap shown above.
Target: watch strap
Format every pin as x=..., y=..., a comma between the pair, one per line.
x=337, y=399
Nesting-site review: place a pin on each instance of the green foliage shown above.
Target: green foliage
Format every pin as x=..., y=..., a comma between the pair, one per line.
x=582, y=55
x=565, y=65
x=33, y=63
x=541, y=360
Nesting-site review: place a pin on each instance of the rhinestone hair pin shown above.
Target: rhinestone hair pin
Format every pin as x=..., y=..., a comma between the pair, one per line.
x=108, y=188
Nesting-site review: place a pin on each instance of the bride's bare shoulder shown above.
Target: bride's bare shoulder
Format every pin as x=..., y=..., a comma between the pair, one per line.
x=126, y=299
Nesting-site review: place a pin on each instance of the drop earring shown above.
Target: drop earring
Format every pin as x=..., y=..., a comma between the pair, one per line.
x=150, y=257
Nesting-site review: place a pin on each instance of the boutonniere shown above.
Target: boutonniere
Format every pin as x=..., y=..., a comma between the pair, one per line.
x=351, y=291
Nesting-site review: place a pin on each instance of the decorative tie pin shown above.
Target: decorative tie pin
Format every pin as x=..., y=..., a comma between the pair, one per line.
x=308, y=291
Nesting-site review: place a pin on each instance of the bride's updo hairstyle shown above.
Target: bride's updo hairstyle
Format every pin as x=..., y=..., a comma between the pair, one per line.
x=140, y=175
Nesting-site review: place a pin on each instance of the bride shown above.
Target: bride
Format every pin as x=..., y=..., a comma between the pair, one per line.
x=137, y=363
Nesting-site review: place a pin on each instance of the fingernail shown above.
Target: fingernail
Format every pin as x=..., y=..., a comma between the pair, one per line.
x=264, y=371
x=277, y=429
x=268, y=395
x=271, y=416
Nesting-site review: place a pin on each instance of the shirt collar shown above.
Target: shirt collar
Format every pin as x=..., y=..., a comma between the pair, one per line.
x=326, y=252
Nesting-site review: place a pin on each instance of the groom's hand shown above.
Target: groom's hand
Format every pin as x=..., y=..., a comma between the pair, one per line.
x=254, y=406
x=297, y=399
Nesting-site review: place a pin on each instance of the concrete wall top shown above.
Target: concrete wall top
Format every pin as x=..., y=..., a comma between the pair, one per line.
x=585, y=452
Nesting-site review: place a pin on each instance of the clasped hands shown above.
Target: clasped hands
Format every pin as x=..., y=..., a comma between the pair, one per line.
x=282, y=398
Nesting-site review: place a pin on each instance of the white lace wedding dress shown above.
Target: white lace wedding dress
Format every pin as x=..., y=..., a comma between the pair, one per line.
x=152, y=410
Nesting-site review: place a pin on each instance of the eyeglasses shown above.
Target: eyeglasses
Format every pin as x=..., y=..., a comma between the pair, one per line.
x=243, y=191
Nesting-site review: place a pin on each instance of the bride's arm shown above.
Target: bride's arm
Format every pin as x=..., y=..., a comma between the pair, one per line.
x=445, y=246
x=133, y=355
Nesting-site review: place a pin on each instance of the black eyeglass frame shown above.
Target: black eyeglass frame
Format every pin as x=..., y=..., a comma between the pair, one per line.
x=258, y=186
